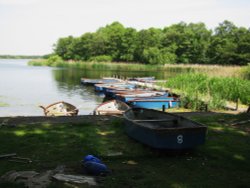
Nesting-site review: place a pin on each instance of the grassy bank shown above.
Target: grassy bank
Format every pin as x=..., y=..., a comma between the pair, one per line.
x=200, y=89
x=212, y=70
x=224, y=161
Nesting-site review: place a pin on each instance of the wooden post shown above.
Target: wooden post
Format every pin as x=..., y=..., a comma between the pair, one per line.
x=163, y=108
x=206, y=107
x=237, y=104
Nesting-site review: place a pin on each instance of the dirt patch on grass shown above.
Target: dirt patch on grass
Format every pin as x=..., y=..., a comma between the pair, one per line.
x=13, y=121
x=16, y=120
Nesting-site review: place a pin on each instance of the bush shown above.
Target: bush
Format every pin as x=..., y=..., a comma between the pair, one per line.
x=101, y=58
x=157, y=56
x=54, y=59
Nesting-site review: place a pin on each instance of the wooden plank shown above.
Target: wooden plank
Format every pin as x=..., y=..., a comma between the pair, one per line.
x=7, y=155
x=155, y=120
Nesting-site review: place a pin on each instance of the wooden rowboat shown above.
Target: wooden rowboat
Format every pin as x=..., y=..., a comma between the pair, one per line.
x=163, y=130
x=60, y=108
x=125, y=97
x=155, y=103
x=112, y=107
x=88, y=81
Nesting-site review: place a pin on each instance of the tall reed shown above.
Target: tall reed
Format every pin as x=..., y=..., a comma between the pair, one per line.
x=199, y=89
x=211, y=70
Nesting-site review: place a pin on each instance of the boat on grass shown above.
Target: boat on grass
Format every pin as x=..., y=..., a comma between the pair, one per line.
x=60, y=108
x=163, y=130
x=112, y=107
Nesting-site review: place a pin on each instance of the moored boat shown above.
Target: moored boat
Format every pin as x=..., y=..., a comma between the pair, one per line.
x=143, y=79
x=60, y=108
x=125, y=97
x=121, y=85
x=115, y=92
x=163, y=130
x=155, y=103
x=112, y=107
x=88, y=81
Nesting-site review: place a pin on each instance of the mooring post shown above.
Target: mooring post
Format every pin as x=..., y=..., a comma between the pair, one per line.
x=163, y=108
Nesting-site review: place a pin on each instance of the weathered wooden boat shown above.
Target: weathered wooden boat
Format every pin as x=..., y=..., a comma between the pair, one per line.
x=114, y=92
x=155, y=103
x=143, y=79
x=88, y=81
x=150, y=95
x=112, y=107
x=163, y=130
x=60, y=108
x=122, y=85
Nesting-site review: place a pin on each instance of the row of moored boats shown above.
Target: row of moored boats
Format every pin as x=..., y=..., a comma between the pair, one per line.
x=143, y=122
x=127, y=94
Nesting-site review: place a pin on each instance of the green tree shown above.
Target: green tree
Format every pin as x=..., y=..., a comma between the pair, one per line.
x=64, y=48
x=147, y=39
x=154, y=55
x=230, y=45
x=189, y=42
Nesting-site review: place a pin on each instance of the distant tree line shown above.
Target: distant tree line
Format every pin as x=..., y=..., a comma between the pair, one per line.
x=20, y=57
x=179, y=43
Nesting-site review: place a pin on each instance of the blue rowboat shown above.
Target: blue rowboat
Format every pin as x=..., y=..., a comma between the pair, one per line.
x=151, y=103
x=163, y=130
x=133, y=96
x=88, y=81
x=115, y=93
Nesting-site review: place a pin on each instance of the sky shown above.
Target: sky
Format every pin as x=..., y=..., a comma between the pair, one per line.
x=31, y=27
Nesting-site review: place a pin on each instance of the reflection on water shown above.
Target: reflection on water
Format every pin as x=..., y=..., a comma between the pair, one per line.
x=23, y=88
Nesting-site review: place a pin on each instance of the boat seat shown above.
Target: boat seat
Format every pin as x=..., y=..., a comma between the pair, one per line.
x=157, y=120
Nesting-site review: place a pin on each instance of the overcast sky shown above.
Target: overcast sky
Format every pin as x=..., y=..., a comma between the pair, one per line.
x=31, y=27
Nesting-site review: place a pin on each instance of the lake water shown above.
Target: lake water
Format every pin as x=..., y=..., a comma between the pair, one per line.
x=23, y=88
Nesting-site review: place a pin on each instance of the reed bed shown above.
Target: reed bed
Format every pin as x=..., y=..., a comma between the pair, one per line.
x=198, y=89
x=246, y=72
x=211, y=70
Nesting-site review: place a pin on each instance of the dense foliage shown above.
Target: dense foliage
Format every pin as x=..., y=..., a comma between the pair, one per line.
x=178, y=43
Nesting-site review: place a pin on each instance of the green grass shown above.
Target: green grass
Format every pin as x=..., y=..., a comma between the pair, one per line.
x=224, y=161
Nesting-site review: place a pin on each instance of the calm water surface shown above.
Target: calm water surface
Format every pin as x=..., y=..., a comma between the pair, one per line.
x=23, y=88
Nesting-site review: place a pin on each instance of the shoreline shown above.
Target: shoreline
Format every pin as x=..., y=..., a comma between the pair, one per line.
x=19, y=120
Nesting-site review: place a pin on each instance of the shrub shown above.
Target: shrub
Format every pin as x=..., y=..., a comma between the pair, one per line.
x=101, y=58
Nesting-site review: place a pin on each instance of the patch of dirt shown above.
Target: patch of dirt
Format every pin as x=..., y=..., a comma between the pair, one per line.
x=18, y=120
